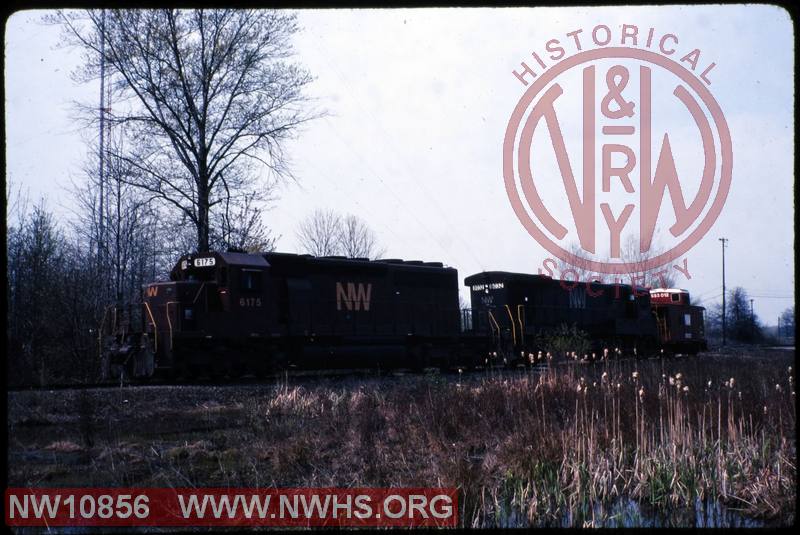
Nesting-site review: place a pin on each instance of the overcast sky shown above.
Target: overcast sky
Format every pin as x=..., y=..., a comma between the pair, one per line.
x=418, y=102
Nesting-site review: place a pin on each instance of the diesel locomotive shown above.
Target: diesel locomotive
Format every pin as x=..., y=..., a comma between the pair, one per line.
x=234, y=313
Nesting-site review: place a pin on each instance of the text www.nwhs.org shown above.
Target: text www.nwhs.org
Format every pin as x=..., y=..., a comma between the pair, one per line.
x=219, y=507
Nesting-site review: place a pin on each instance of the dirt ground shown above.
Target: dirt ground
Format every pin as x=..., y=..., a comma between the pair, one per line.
x=397, y=430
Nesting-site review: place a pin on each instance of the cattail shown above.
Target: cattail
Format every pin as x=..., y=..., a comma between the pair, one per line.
x=579, y=389
x=740, y=394
x=671, y=380
x=641, y=394
x=549, y=356
x=778, y=388
x=635, y=375
x=619, y=385
x=765, y=409
x=709, y=383
x=731, y=382
x=604, y=377
x=686, y=389
x=678, y=376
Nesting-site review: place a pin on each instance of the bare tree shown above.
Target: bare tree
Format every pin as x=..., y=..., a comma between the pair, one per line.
x=786, y=322
x=133, y=227
x=241, y=226
x=635, y=260
x=357, y=240
x=580, y=269
x=200, y=93
x=653, y=277
x=318, y=234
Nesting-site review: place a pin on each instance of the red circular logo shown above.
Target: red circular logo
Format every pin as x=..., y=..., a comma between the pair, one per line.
x=613, y=125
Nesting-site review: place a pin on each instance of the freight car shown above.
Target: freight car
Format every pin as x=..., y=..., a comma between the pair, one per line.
x=234, y=313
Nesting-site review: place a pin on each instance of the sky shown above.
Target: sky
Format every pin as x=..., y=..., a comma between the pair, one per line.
x=418, y=102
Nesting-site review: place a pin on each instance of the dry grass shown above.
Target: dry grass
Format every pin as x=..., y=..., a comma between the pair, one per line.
x=553, y=448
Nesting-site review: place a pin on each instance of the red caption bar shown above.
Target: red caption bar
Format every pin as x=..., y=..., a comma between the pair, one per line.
x=365, y=507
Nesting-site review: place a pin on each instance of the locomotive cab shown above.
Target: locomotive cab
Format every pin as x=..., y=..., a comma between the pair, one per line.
x=209, y=296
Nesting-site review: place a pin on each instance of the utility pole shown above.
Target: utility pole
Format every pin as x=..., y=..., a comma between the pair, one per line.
x=724, y=312
x=101, y=223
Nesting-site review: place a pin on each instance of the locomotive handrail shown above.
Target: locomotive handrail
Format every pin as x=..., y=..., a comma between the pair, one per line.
x=155, y=327
x=198, y=292
x=520, y=315
x=496, y=325
x=169, y=321
x=513, y=325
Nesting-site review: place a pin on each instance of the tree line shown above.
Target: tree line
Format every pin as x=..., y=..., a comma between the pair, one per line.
x=196, y=109
x=742, y=324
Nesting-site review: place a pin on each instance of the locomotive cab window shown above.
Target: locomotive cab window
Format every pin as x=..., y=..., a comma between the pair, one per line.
x=676, y=297
x=250, y=280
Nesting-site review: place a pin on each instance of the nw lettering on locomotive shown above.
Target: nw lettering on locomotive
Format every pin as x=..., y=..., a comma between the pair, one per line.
x=152, y=291
x=355, y=297
x=577, y=298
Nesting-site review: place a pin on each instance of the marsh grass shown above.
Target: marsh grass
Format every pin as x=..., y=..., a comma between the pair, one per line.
x=563, y=446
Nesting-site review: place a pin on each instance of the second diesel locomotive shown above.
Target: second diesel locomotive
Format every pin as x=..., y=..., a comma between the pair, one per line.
x=234, y=313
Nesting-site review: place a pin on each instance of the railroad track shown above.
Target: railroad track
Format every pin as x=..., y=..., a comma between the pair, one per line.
x=301, y=374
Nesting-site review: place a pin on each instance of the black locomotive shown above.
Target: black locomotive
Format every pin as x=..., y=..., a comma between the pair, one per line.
x=237, y=313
